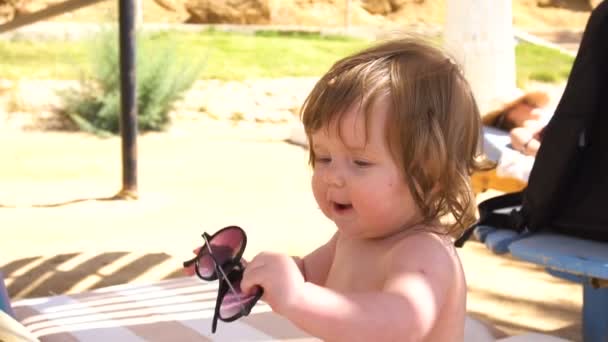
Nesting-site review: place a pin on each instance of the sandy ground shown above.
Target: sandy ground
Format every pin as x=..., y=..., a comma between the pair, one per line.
x=59, y=236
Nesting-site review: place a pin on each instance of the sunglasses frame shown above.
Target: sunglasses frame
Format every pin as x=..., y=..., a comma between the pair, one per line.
x=230, y=271
x=202, y=250
x=236, y=274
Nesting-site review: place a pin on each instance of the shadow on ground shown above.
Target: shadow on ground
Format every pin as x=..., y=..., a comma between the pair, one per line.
x=77, y=272
x=546, y=310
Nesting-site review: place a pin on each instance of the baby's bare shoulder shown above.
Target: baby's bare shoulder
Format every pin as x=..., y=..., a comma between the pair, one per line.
x=425, y=263
x=423, y=251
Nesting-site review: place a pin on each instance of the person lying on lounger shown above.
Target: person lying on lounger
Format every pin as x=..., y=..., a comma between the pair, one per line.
x=521, y=114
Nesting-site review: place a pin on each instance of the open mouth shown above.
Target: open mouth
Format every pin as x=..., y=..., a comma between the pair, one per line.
x=342, y=207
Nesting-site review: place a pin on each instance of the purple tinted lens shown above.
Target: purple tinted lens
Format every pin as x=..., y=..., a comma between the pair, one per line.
x=234, y=304
x=225, y=245
x=206, y=267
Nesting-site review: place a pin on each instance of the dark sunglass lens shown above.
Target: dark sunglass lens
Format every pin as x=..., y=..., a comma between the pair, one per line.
x=206, y=267
x=225, y=246
x=233, y=304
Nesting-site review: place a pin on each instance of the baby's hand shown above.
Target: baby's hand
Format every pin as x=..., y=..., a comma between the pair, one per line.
x=278, y=275
x=190, y=270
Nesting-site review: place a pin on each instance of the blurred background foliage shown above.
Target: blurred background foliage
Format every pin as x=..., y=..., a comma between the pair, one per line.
x=163, y=75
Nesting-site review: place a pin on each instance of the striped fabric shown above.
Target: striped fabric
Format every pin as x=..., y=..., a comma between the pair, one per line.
x=171, y=310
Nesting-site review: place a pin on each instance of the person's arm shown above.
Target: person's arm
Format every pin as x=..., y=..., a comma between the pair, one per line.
x=315, y=266
x=419, y=274
x=526, y=140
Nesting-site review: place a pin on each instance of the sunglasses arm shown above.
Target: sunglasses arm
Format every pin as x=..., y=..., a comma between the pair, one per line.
x=190, y=262
x=221, y=291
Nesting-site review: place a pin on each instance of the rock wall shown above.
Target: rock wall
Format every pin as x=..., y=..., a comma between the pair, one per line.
x=228, y=11
x=11, y=8
x=298, y=12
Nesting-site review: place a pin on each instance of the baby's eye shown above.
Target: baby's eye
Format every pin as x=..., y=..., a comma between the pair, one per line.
x=362, y=163
x=322, y=159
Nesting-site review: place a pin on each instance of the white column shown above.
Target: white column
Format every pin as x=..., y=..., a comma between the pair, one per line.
x=479, y=34
x=139, y=13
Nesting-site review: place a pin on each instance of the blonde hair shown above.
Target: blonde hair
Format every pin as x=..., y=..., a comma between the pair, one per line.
x=434, y=126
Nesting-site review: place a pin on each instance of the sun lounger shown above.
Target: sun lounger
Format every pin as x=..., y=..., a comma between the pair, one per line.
x=171, y=310
x=178, y=309
x=566, y=257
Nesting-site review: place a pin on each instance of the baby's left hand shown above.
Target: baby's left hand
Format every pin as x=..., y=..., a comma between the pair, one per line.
x=278, y=275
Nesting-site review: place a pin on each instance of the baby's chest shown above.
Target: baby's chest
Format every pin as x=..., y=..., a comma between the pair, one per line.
x=354, y=274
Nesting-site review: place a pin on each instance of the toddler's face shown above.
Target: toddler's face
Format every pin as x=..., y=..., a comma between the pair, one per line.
x=356, y=181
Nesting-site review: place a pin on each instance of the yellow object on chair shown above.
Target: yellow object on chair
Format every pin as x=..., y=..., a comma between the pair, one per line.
x=484, y=180
x=497, y=147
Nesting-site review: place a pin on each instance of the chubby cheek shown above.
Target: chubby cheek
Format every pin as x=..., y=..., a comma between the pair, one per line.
x=386, y=202
x=319, y=191
x=373, y=200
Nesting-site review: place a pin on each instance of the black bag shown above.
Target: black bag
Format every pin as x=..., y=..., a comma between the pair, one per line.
x=567, y=190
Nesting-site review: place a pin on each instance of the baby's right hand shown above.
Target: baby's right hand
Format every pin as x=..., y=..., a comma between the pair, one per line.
x=278, y=275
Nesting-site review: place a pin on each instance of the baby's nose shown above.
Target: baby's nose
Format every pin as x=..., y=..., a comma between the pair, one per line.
x=334, y=177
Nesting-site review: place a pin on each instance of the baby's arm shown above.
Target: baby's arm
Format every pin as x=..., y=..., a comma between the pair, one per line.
x=419, y=274
x=315, y=266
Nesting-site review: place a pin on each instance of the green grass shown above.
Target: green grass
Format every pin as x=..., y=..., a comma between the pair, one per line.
x=227, y=56
x=42, y=60
x=232, y=56
x=541, y=64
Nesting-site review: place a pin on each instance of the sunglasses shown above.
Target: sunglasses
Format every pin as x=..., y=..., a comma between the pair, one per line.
x=220, y=258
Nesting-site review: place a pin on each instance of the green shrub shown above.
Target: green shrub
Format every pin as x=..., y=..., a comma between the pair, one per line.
x=162, y=78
